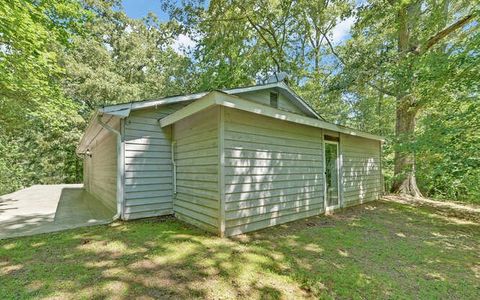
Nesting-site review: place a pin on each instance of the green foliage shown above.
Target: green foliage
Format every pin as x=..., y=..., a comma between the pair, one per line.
x=38, y=126
x=241, y=42
x=447, y=151
x=448, y=138
x=378, y=251
x=43, y=154
x=413, y=71
x=60, y=59
x=31, y=34
x=121, y=59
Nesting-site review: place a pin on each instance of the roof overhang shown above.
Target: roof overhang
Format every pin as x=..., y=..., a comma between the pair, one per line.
x=128, y=107
x=285, y=90
x=235, y=102
x=123, y=110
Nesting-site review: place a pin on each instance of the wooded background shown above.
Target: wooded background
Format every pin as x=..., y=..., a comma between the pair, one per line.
x=408, y=71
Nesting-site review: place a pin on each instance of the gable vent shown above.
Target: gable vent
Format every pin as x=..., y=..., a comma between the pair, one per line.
x=274, y=99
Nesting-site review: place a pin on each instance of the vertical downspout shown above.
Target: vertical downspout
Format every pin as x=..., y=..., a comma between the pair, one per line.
x=221, y=170
x=340, y=170
x=324, y=173
x=174, y=167
x=120, y=167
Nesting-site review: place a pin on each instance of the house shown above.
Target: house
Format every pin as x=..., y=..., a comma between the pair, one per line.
x=229, y=161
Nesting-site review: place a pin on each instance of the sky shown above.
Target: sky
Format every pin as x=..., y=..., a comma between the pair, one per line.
x=139, y=8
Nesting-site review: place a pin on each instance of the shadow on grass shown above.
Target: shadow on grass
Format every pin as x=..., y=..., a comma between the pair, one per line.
x=378, y=250
x=152, y=259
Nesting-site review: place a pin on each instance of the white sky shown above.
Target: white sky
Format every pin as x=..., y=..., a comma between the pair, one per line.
x=182, y=44
x=341, y=32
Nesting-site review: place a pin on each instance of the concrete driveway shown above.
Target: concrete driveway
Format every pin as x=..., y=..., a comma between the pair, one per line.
x=48, y=208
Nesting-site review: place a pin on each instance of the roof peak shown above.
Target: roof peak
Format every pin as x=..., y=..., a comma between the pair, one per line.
x=280, y=86
x=278, y=77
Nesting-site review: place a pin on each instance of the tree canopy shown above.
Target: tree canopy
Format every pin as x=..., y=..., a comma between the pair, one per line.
x=407, y=70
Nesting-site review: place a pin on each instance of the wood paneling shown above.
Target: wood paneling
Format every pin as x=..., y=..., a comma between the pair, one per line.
x=101, y=168
x=361, y=176
x=197, y=160
x=273, y=171
x=148, y=165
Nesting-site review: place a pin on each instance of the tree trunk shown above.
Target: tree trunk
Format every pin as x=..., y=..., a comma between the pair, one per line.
x=404, y=181
x=379, y=110
x=404, y=171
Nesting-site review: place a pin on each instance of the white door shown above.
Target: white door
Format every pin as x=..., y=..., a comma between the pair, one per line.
x=331, y=159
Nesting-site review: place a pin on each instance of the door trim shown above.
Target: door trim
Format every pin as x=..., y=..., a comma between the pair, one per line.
x=331, y=208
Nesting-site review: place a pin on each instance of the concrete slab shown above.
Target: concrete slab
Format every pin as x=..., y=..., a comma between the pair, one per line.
x=48, y=208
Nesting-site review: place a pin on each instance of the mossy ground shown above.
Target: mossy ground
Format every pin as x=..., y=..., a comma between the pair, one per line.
x=378, y=250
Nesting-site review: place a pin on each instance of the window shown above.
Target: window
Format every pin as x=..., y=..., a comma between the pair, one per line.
x=274, y=100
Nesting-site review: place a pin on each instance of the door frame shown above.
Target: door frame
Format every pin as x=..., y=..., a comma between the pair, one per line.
x=331, y=208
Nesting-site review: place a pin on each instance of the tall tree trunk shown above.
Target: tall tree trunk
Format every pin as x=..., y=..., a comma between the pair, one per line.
x=407, y=108
x=379, y=110
x=404, y=170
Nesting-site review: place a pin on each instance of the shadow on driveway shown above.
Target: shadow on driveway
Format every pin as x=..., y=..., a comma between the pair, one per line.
x=48, y=208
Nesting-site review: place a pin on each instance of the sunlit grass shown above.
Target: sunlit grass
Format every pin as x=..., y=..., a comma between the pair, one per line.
x=379, y=250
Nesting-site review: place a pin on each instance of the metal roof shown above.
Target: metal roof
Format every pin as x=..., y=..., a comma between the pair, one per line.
x=235, y=102
x=123, y=110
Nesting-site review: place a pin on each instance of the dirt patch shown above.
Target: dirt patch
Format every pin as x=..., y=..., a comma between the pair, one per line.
x=447, y=209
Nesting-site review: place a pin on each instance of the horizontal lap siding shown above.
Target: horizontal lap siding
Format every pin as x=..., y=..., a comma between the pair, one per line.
x=101, y=170
x=361, y=175
x=273, y=172
x=148, y=166
x=197, y=159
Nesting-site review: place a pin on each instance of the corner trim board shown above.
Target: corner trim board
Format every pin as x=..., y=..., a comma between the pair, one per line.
x=221, y=169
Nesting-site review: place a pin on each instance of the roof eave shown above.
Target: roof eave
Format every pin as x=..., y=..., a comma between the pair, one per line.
x=151, y=103
x=297, y=100
x=231, y=101
x=302, y=102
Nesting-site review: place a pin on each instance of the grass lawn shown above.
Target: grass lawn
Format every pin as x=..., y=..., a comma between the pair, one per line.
x=380, y=250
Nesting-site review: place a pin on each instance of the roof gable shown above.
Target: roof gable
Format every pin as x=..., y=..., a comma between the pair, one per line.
x=123, y=110
x=235, y=102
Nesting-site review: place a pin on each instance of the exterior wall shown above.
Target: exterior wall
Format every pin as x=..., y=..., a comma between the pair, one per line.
x=148, y=166
x=236, y=171
x=273, y=172
x=263, y=97
x=100, y=173
x=197, y=200
x=361, y=174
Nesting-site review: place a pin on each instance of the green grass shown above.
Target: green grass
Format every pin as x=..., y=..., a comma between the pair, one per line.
x=379, y=250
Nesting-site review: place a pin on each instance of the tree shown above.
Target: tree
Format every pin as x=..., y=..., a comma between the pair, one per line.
x=411, y=48
x=31, y=33
x=39, y=127
x=122, y=59
x=243, y=42
x=404, y=49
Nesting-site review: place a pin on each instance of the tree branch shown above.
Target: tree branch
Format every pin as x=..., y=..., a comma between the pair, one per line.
x=432, y=41
x=332, y=49
x=269, y=46
x=380, y=89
